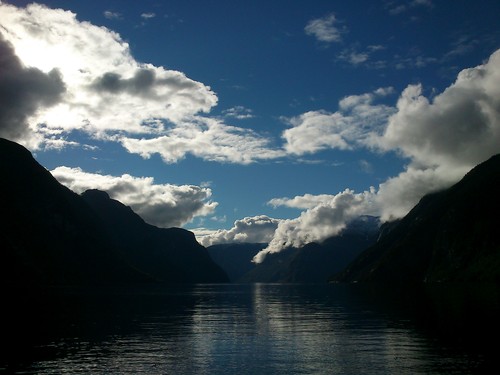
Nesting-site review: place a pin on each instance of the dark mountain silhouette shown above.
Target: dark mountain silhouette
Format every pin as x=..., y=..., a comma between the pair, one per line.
x=167, y=254
x=235, y=258
x=316, y=262
x=51, y=235
x=449, y=236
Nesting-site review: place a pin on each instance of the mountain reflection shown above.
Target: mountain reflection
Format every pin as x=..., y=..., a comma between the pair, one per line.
x=254, y=328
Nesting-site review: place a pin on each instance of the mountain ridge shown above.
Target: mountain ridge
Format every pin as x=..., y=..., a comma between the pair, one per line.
x=449, y=236
x=51, y=236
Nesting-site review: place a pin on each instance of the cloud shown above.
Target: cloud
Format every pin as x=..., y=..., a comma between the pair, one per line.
x=324, y=29
x=355, y=57
x=442, y=139
x=355, y=123
x=459, y=127
x=256, y=229
x=326, y=216
x=109, y=95
x=148, y=16
x=163, y=205
x=238, y=112
x=396, y=8
x=112, y=15
x=398, y=195
x=24, y=91
x=107, y=90
x=206, y=138
x=305, y=201
x=366, y=166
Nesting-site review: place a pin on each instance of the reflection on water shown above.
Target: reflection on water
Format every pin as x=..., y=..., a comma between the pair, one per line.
x=253, y=329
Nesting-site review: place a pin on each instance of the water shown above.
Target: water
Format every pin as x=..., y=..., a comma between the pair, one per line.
x=252, y=329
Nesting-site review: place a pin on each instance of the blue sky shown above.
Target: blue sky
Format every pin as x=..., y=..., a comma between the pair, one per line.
x=274, y=121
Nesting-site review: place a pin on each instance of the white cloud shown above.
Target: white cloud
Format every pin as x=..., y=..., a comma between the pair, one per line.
x=109, y=95
x=208, y=139
x=398, y=195
x=398, y=8
x=147, y=16
x=163, y=205
x=354, y=124
x=238, y=112
x=459, y=127
x=324, y=29
x=355, y=57
x=110, y=15
x=256, y=229
x=107, y=90
x=305, y=201
x=328, y=215
x=442, y=138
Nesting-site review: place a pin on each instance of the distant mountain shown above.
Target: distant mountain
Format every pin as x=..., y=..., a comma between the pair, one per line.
x=451, y=236
x=167, y=254
x=316, y=262
x=235, y=258
x=51, y=235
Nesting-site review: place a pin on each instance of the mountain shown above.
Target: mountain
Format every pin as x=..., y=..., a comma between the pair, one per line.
x=52, y=236
x=235, y=258
x=49, y=235
x=316, y=262
x=167, y=254
x=449, y=236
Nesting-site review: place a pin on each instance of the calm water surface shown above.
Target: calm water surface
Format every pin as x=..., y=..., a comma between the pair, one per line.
x=253, y=329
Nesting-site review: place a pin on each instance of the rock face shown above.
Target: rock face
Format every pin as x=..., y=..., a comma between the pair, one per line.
x=315, y=262
x=51, y=235
x=448, y=236
x=167, y=254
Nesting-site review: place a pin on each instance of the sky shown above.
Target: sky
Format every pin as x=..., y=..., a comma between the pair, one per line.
x=263, y=121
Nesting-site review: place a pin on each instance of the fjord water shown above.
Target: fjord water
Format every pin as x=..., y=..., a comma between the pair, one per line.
x=253, y=329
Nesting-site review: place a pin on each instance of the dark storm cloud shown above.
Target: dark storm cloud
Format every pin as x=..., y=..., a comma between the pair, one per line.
x=144, y=83
x=140, y=83
x=22, y=91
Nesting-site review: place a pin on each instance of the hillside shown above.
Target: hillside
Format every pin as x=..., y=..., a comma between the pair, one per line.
x=52, y=236
x=316, y=262
x=235, y=258
x=449, y=236
x=49, y=235
x=167, y=254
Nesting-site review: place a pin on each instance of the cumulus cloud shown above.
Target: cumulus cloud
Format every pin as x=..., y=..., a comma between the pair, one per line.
x=459, y=127
x=355, y=123
x=163, y=205
x=324, y=29
x=110, y=95
x=107, y=90
x=303, y=202
x=398, y=195
x=327, y=216
x=442, y=138
x=24, y=91
x=256, y=229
